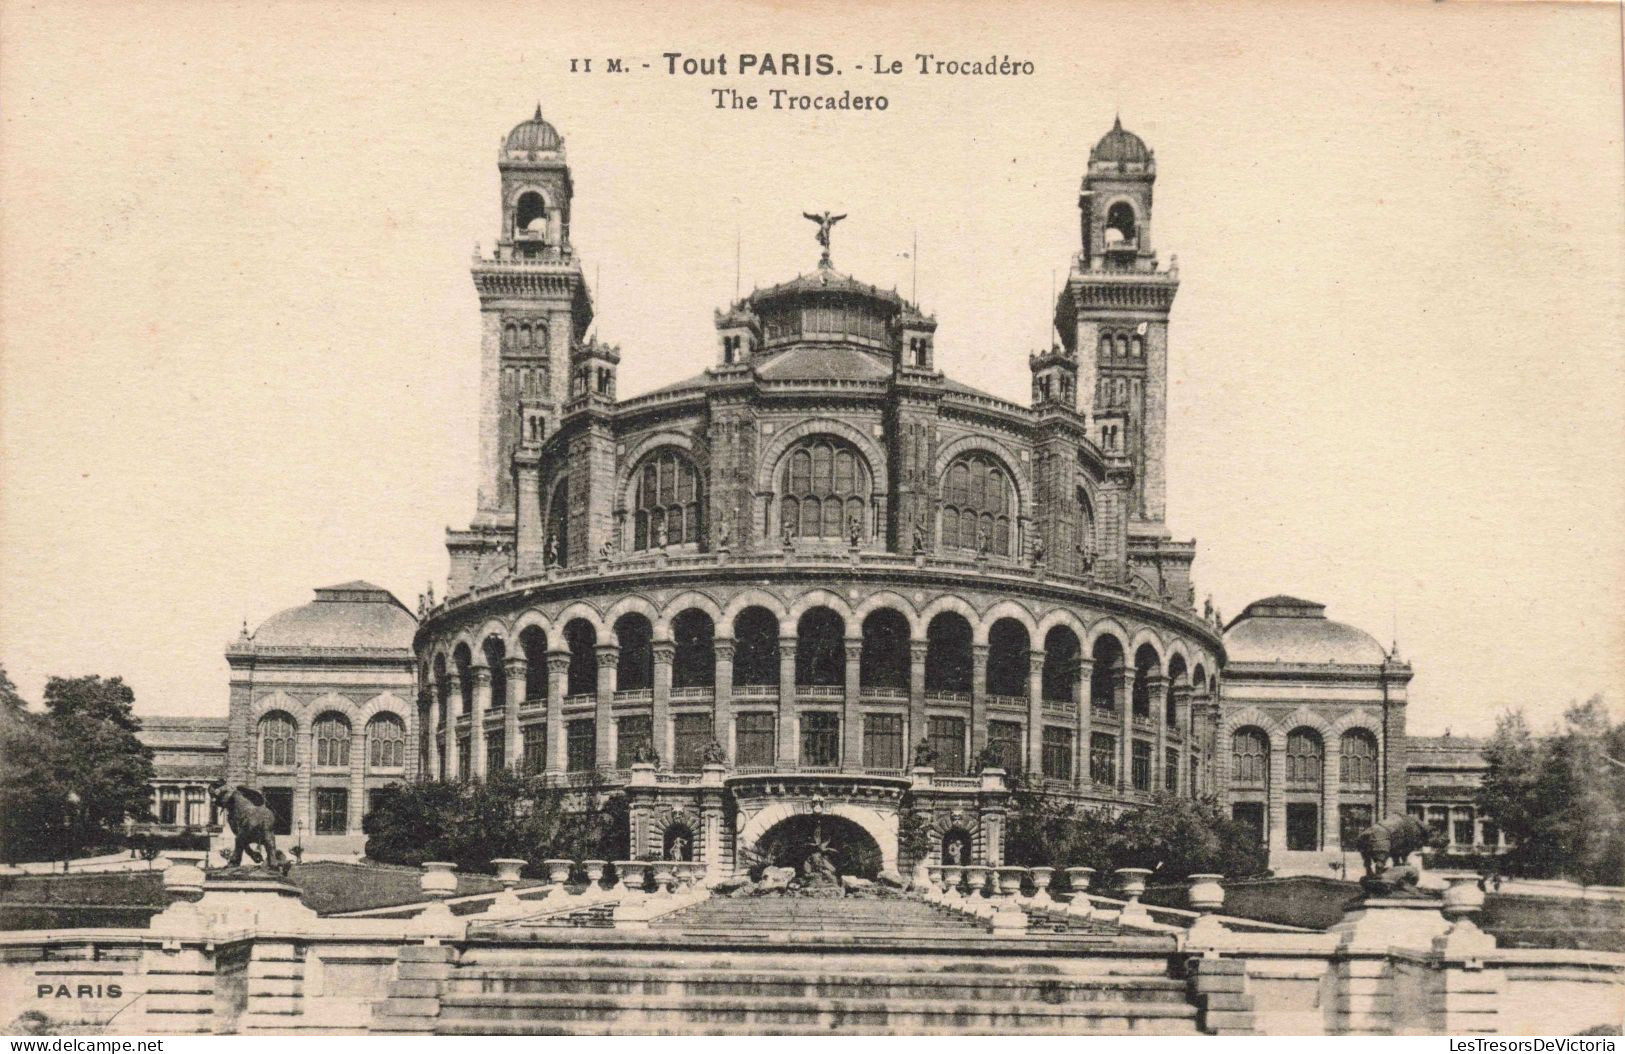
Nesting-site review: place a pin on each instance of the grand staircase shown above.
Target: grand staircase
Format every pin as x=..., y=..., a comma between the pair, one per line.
x=891, y=917
x=789, y=966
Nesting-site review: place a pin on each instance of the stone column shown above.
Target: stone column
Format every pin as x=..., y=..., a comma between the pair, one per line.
x=1080, y=699
x=304, y=762
x=787, y=700
x=358, y=779
x=851, y=722
x=434, y=733
x=1277, y=796
x=664, y=652
x=1182, y=721
x=558, y=684
x=1157, y=688
x=609, y=657
x=530, y=543
x=513, y=749
x=1123, y=691
x=1035, y=711
x=1331, y=778
x=916, y=697
x=978, y=700
x=454, y=711
x=476, y=723
x=722, y=717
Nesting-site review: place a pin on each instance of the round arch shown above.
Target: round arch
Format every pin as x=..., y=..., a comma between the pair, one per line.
x=957, y=448
x=769, y=468
x=894, y=601
x=688, y=601
x=1012, y=610
x=881, y=826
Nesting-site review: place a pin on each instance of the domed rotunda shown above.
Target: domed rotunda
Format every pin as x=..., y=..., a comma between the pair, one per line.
x=820, y=575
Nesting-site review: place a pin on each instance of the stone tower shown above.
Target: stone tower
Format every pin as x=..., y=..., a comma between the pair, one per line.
x=1113, y=315
x=534, y=309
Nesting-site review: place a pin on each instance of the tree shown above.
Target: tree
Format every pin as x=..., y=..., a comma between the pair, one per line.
x=505, y=815
x=33, y=800
x=1172, y=836
x=100, y=759
x=1560, y=799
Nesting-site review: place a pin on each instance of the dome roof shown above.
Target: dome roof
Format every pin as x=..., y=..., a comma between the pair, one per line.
x=534, y=134
x=1120, y=146
x=352, y=615
x=1288, y=630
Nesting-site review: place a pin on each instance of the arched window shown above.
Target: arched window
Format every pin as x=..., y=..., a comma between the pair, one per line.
x=276, y=740
x=1086, y=524
x=558, y=524
x=1358, y=766
x=1304, y=755
x=510, y=336
x=825, y=486
x=1137, y=348
x=332, y=734
x=386, y=742
x=976, y=505
x=1249, y=758
x=1105, y=345
x=667, y=502
x=1122, y=345
x=1120, y=222
x=530, y=214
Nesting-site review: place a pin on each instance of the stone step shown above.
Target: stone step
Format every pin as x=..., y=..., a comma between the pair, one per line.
x=1130, y=1027
x=744, y=981
x=525, y=1013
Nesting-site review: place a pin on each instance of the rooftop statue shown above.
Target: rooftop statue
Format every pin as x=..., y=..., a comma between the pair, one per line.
x=825, y=222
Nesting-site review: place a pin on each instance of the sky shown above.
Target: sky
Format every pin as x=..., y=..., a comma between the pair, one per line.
x=238, y=348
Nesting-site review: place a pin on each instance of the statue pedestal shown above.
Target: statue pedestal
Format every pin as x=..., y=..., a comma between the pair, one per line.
x=232, y=904
x=1379, y=923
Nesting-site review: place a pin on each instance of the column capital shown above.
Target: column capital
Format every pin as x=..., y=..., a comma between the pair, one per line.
x=664, y=650
x=917, y=650
x=1156, y=679
x=1035, y=660
x=608, y=655
x=787, y=649
x=558, y=662
x=723, y=648
x=516, y=665
x=980, y=652
x=854, y=649
x=482, y=676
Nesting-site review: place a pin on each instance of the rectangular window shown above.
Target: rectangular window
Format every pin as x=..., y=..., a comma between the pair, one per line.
x=820, y=739
x=496, y=751
x=581, y=745
x=1103, y=759
x=1438, y=820
x=1249, y=815
x=946, y=736
x=883, y=741
x=1351, y=820
x=169, y=806
x=1140, y=765
x=691, y=734
x=1302, y=826
x=535, y=748
x=374, y=796
x=1005, y=739
x=1170, y=770
x=755, y=739
x=280, y=801
x=332, y=810
x=1492, y=833
x=633, y=736
x=1057, y=753
x=462, y=756
x=1461, y=826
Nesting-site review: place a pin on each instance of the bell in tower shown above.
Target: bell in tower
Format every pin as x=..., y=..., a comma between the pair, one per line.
x=534, y=307
x=1112, y=316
